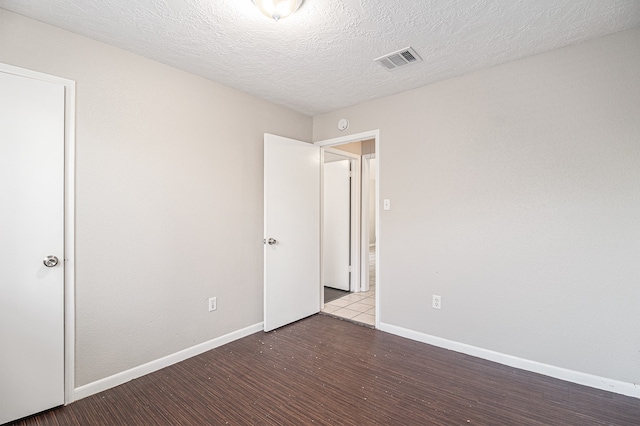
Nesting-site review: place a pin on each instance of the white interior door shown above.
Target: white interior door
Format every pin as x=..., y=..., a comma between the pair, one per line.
x=292, y=230
x=337, y=224
x=32, y=212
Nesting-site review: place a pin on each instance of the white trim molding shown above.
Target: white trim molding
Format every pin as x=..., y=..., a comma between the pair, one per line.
x=372, y=134
x=144, y=369
x=585, y=379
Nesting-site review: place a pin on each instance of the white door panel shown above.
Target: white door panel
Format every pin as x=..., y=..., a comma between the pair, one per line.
x=292, y=219
x=31, y=228
x=337, y=220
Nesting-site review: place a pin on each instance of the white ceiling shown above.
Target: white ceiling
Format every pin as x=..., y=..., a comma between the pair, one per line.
x=321, y=58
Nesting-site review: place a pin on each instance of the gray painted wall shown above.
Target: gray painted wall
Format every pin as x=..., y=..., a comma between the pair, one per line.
x=514, y=191
x=169, y=198
x=515, y=195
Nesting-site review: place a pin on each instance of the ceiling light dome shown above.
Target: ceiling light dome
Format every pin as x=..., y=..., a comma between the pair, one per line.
x=277, y=9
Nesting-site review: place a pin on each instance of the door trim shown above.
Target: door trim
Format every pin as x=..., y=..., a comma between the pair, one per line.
x=372, y=134
x=69, y=217
x=365, y=242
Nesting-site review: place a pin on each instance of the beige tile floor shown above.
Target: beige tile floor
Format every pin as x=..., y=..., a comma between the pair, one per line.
x=360, y=307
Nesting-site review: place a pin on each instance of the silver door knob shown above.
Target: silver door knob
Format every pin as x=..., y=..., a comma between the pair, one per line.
x=50, y=261
x=271, y=241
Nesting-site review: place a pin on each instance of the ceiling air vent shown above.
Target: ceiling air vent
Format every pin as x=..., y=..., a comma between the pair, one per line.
x=398, y=59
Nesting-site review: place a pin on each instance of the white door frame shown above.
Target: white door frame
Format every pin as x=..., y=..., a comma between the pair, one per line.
x=372, y=134
x=365, y=242
x=69, y=218
x=354, y=261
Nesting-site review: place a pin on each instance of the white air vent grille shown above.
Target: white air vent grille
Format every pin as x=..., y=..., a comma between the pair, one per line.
x=400, y=58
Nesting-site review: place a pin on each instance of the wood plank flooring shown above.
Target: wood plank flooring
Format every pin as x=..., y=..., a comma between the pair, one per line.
x=326, y=371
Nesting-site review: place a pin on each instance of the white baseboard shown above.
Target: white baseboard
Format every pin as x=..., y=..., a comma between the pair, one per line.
x=610, y=385
x=150, y=367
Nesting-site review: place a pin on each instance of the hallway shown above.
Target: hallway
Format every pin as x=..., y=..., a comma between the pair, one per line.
x=359, y=307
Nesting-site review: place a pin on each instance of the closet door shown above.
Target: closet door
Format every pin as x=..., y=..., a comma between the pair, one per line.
x=32, y=246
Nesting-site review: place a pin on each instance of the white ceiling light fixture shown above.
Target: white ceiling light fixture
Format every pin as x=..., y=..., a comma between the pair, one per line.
x=277, y=9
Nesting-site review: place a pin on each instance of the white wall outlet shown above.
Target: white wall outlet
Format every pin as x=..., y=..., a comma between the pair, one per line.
x=386, y=204
x=437, y=302
x=213, y=304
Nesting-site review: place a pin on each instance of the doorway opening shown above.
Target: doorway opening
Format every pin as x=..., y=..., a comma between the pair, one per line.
x=293, y=273
x=357, y=302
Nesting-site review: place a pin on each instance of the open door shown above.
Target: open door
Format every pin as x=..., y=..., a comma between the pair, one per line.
x=336, y=233
x=292, y=230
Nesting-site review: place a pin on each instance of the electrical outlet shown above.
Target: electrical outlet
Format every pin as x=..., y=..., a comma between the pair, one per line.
x=437, y=302
x=213, y=305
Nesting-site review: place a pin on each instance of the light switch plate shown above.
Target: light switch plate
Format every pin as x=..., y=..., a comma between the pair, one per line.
x=386, y=204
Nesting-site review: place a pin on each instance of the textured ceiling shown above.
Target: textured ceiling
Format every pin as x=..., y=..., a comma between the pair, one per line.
x=321, y=58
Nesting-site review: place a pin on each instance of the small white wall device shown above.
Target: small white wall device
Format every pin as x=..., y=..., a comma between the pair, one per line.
x=343, y=124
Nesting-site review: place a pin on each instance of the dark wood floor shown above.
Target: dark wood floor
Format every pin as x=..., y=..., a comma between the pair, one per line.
x=333, y=294
x=322, y=370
